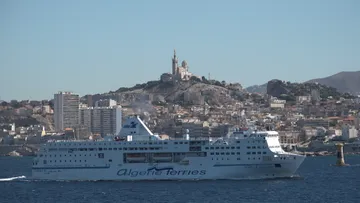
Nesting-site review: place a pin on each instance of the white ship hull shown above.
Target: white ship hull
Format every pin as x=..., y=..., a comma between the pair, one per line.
x=253, y=156
x=163, y=171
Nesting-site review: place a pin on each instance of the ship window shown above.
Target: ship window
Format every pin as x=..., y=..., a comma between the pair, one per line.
x=227, y=147
x=237, y=141
x=237, y=147
x=232, y=153
x=253, y=147
x=222, y=147
x=165, y=142
x=232, y=147
x=217, y=153
x=253, y=152
x=215, y=148
x=248, y=147
x=248, y=153
x=175, y=143
x=222, y=153
x=212, y=153
x=238, y=153
x=101, y=155
x=206, y=147
x=259, y=152
x=180, y=142
x=264, y=152
x=125, y=148
x=110, y=148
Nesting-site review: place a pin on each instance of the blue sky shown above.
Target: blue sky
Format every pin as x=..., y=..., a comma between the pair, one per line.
x=98, y=46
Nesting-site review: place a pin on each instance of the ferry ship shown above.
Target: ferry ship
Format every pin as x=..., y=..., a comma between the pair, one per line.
x=138, y=154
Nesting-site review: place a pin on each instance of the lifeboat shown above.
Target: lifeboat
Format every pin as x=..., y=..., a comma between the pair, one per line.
x=136, y=157
x=162, y=157
x=117, y=138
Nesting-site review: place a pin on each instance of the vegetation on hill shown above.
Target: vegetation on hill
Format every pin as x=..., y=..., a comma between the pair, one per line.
x=288, y=91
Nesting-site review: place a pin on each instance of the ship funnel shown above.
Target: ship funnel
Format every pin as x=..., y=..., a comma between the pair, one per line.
x=134, y=126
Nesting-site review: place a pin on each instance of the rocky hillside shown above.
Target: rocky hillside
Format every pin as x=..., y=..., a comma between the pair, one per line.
x=261, y=89
x=289, y=91
x=193, y=92
x=343, y=82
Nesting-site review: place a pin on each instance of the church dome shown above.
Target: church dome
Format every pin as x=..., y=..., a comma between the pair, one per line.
x=184, y=64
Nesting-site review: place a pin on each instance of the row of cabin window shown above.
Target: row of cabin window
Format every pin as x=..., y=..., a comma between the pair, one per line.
x=254, y=147
x=255, y=152
x=112, y=143
x=217, y=159
x=104, y=149
x=258, y=141
x=60, y=161
x=223, y=153
x=233, y=153
x=222, y=147
x=41, y=155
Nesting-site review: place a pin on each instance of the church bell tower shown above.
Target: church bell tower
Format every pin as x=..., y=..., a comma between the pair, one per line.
x=174, y=63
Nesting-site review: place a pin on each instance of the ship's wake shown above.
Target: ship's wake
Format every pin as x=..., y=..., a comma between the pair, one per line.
x=13, y=178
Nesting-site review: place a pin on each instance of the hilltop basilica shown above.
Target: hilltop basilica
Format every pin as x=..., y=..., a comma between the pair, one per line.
x=179, y=73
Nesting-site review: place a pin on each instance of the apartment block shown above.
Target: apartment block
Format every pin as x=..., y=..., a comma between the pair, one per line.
x=102, y=120
x=66, y=110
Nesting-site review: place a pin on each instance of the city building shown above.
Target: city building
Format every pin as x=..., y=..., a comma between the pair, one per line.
x=277, y=103
x=349, y=132
x=105, y=103
x=66, y=110
x=102, y=120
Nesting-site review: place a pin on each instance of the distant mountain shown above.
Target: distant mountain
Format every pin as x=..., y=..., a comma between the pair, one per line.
x=261, y=89
x=343, y=82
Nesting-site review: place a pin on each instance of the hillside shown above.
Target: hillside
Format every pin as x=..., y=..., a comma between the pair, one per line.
x=343, y=82
x=261, y=89
x=193, y=92
x=289, y=91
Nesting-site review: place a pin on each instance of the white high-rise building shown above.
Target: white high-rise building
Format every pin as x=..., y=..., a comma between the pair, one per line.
x=66, y=110
x=105, y=103
x=102, y=120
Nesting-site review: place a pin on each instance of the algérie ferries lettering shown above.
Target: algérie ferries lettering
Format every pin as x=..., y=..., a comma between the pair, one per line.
x=169, y=172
